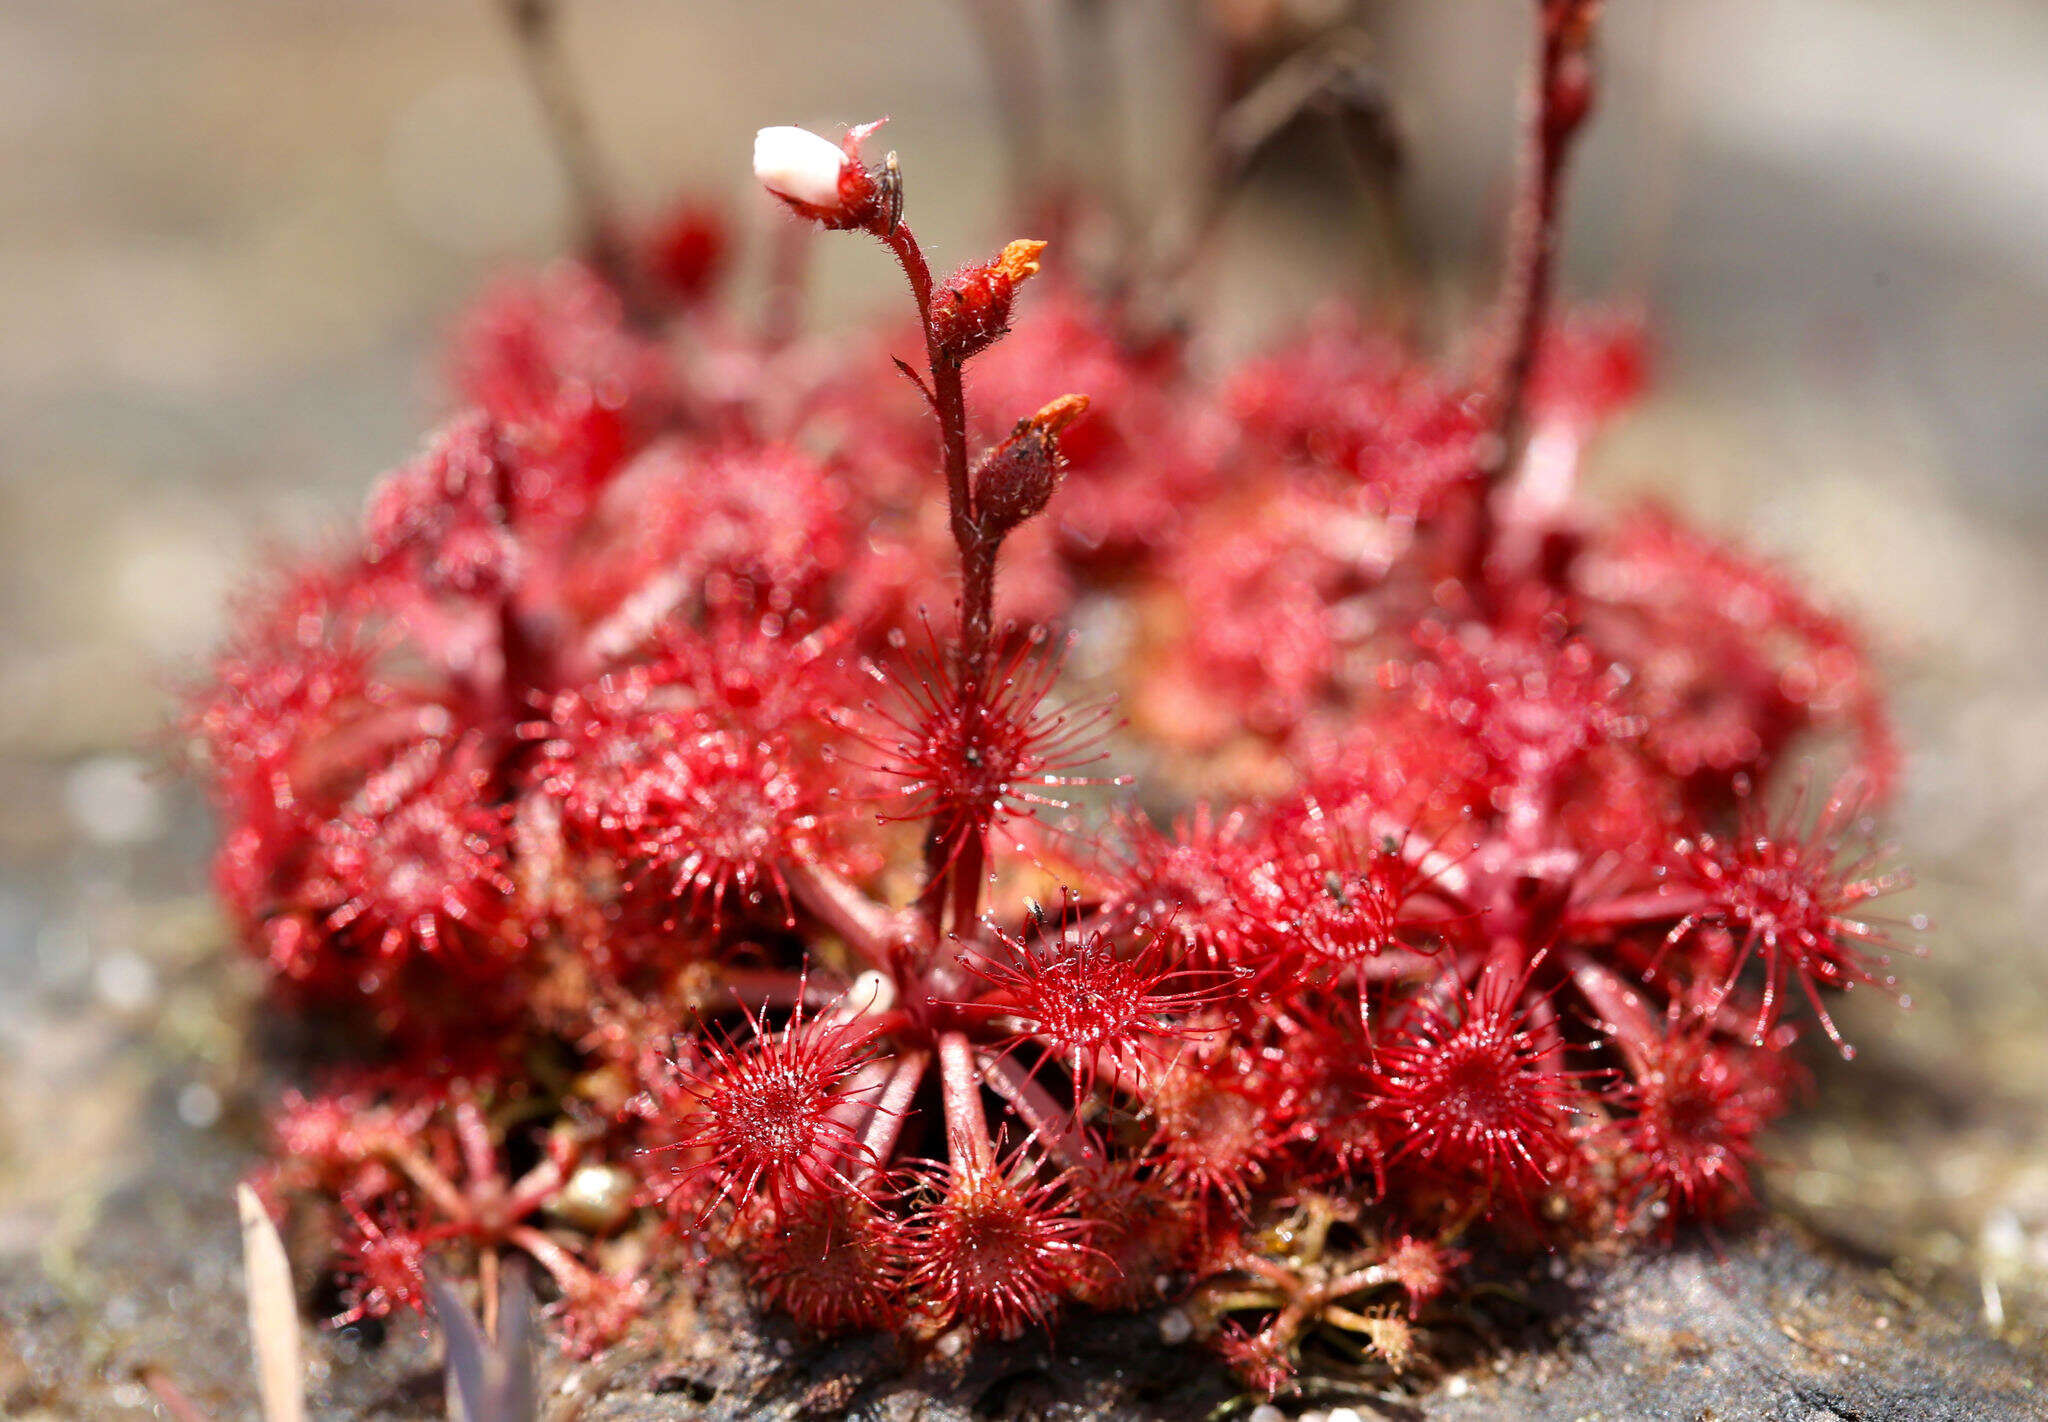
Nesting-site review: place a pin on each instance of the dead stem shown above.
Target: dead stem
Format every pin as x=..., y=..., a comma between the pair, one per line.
x=1559, y=100
x=536, y=26
x=1017, y=76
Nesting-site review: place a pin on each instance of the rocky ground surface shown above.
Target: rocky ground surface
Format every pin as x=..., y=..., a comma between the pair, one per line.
x=1772, y=1324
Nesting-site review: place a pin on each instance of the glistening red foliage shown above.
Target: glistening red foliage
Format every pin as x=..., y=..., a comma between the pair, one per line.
x=567, y=787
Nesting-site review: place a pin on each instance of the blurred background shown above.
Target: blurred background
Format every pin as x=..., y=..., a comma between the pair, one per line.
x=232, y=232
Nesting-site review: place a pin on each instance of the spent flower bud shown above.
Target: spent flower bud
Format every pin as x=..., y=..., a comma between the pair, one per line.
x=971, y=311
x=1016, y=479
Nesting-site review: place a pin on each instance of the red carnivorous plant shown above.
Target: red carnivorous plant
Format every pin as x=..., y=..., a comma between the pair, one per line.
x=682, y=789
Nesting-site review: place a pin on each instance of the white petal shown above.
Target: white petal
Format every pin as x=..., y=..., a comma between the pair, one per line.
x=796, y=163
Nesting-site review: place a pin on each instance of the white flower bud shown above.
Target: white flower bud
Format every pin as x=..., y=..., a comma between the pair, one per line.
x=797, y=164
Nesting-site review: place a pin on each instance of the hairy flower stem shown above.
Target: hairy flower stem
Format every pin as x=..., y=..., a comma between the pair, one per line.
x=955, y=852
x=948, y=397
x=1561, y=98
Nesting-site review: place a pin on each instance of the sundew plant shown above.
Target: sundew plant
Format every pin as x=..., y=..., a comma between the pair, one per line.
x=683, y=791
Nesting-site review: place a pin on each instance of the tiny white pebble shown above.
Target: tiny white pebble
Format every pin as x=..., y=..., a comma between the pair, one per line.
x=872, y=992
x=125, y=982
x=1345, y=1414
x=1458, y=1386
x=1175, y=1326
x=198, y=1105
x=1266, y=1412
x=110, y=798
x=2001, y=1240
